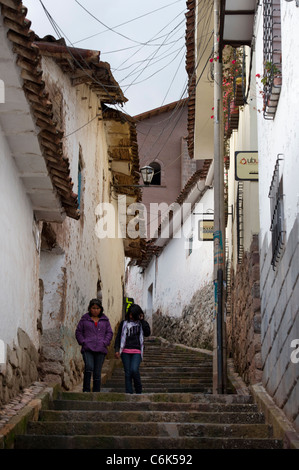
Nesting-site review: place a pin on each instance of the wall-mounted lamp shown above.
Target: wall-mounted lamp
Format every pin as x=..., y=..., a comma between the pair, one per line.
x=147, y=173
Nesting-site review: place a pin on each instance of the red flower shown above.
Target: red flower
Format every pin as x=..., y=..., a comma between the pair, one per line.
x=211, y=60
x=212, y=117
x=258, y=75
x=233, y=61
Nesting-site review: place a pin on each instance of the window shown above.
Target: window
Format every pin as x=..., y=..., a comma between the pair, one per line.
x=272, y=76
x=80, y=170
x=277, y=213
x=157, y=173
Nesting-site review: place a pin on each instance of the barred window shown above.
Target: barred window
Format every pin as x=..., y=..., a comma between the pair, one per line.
x=272, y=76
x=277, y=213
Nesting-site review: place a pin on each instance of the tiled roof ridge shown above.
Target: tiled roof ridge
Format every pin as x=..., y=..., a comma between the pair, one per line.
x=83, y=66
x=161, y=109
x=190, y=69
x=49, y=137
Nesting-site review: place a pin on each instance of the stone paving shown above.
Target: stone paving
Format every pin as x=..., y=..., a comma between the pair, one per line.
x=14, y=406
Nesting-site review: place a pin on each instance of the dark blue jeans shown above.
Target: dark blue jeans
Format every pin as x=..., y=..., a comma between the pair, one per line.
x=93, y=368
x=131, y=364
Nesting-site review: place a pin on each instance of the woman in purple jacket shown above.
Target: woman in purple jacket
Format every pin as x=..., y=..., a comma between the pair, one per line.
x=94, y=334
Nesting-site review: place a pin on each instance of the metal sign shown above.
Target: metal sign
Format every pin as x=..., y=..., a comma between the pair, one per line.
x=246, y=166
x=206, y=230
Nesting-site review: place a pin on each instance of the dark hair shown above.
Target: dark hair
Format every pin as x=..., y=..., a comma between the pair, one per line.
x=135, y=310
x=96, y=302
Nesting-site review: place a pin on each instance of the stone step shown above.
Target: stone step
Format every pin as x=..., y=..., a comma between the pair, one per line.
x=167, y=380
x=137, y=442
x=152, y=416
x=174, y=354
x=165, y=389
x=169, y=372
x=174, y=363
x=148, y=429
x=152, y=406
x=177, y=410
x=157, y=397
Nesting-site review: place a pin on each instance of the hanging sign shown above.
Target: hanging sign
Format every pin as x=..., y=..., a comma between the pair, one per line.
x=246, y=166
x=206, y=230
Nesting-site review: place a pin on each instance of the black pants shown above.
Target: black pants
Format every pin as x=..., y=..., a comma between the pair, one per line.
x=93, y=368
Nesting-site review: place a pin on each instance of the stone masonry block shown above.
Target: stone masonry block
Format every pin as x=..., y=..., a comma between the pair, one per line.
x=255, y=272
x=291, y=407
x=294, y=302
x=255, y=258
x=254, y=247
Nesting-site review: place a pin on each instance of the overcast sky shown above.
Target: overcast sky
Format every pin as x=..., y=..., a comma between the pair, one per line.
x=146, y=55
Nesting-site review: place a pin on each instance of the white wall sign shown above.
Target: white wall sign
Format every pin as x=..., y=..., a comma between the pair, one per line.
x=246, y=166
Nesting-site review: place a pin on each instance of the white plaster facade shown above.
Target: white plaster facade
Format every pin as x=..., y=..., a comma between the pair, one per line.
x=273, y=138
x=280, y=287
x=171, y=279
x=19, y=265
x=53, y=264
x=245, y=139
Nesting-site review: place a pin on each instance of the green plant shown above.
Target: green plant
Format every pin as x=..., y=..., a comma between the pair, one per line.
x=270, y=71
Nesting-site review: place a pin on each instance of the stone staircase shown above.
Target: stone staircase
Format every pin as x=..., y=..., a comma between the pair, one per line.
x=176, y=410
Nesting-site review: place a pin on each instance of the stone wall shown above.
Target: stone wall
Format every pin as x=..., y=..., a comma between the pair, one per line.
x=194, y=327
x=20, y=369
x=280, y=323
x=244, y=322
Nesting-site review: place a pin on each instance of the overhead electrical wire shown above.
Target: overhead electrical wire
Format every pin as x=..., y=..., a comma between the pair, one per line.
x=126, y=22
x=57, y=30
x=149, y=59
x=150, y=76
x=202, y=48
x=164, y=27
x=164, y=54
x=110, y=28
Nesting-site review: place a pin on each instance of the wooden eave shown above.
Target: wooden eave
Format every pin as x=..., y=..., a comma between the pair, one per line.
x=121, y=138
x=236, y=22
x=191, y=71
x=162, y=109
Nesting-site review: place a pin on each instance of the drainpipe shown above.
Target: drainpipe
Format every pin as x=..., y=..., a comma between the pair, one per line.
x=219, y=380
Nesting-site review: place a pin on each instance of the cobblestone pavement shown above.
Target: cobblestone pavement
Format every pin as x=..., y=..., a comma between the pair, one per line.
x=14, y=406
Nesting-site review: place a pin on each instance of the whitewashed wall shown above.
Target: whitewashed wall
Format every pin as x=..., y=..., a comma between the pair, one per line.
x=82, y=259
x=19, y=296
x=245, y=139
x=173, y=277
x=280, y=288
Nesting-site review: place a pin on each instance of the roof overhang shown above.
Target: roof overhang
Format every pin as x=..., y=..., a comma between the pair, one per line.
x=26, y=118
x=21, y=136
x=236, y=22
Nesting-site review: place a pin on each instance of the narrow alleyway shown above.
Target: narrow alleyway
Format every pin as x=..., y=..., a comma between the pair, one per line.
x=177, y=410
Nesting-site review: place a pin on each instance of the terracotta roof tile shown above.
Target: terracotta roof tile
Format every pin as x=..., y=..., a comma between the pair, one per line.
x=49, y=136
x=82, y=65
x=162, y=109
